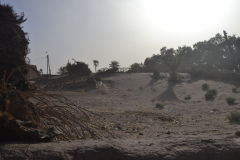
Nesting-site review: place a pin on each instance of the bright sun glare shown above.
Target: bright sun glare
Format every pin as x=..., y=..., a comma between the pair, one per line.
x=185, y=16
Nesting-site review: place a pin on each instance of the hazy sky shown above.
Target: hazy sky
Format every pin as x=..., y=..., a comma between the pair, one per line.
x=124, y=30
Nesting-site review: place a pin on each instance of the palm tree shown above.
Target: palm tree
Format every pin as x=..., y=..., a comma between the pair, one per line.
x=95, y=63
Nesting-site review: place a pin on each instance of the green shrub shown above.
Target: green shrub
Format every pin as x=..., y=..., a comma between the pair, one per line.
x=77, y=69
x=234, y=117
x=205, y=87
x=211, y=95
x=234, y=90
x=230, y=100
x=159, y=106
x=188, y=97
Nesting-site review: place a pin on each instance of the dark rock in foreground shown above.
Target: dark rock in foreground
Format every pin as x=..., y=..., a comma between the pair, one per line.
x=164, y=148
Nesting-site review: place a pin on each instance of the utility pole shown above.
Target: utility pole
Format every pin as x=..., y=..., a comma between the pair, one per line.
x=48, y=65
x=47, y=62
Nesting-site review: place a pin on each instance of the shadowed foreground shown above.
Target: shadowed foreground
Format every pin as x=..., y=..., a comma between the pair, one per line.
x=164, y=148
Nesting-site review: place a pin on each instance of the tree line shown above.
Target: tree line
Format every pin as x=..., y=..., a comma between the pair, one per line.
x=219, y=53
x=78, y=68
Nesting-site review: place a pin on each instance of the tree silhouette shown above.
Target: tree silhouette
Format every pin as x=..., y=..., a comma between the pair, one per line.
x=172, y=59
x=114, y=66
x=62, y=70
x=220, y=53
x=13, y=45
x=75, y=69
x=95, y=63
x=136, y=67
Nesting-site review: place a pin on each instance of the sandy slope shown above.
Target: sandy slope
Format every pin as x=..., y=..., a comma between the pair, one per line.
x=182, y=130
x=129, y=101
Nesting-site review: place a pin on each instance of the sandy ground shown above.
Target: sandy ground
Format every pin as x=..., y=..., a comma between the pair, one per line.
x=129, y=101
x=160, y=148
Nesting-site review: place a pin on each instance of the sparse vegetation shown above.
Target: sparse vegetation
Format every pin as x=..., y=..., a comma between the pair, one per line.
x=234, y=90
x=205, y=87
x=159, y=106
x=188, y=97
x=123, y=97
x=234, y=117
x=211, y=95
x=230, y=100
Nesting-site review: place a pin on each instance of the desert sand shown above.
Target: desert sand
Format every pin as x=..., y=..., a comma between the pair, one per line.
x=128, y=100
x=180, y=130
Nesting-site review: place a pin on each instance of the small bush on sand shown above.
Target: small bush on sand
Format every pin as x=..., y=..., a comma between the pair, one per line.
x=140, y=88
x=234, y=117
x=205, y=87
x=188, y=97
x=234, y=90
x=211, y=95
x=230, y=100
x=159, y=106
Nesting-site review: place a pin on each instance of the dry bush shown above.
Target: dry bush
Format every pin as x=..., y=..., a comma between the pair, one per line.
x=48, y=111
x=73, y=121
x=30, y=114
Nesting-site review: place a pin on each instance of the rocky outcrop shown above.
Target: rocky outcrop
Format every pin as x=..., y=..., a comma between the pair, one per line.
x=164, y=148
